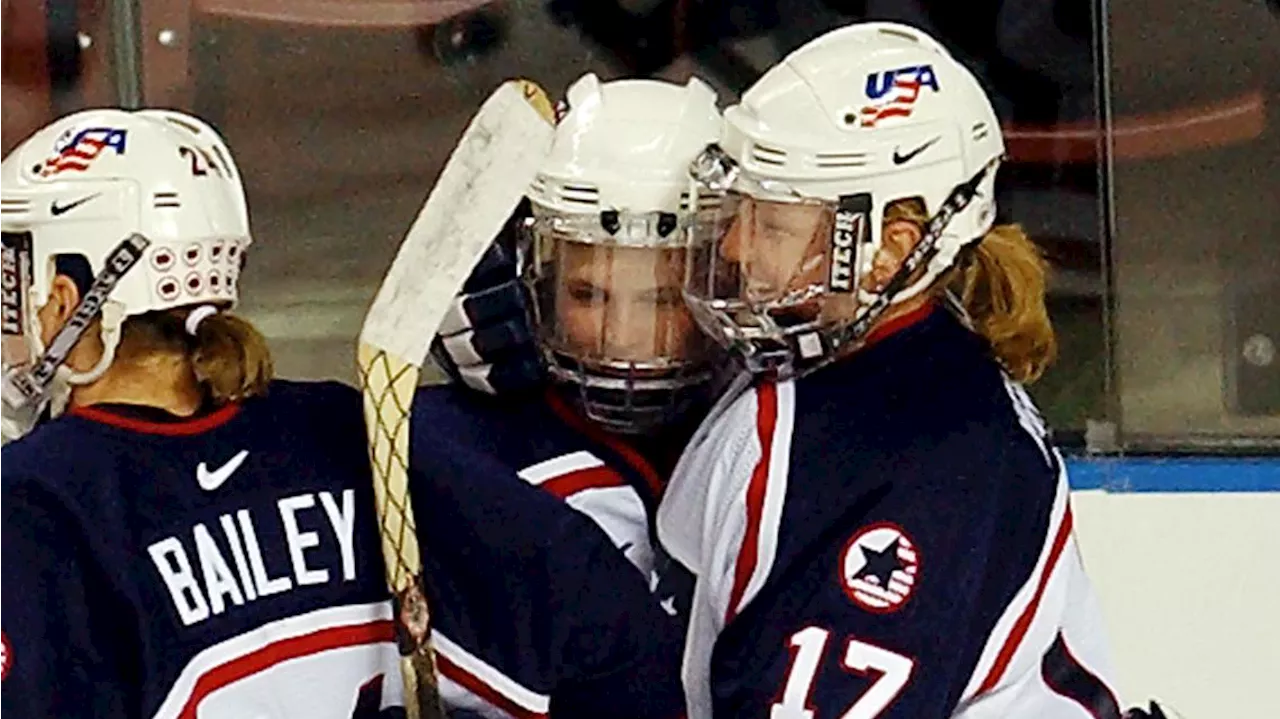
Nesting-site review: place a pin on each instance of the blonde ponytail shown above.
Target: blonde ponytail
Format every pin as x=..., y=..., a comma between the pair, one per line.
x=231, y=358
x=227, y=355
x=1001, y=282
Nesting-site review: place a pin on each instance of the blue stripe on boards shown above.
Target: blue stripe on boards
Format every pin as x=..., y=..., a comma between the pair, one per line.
x=1180, y=474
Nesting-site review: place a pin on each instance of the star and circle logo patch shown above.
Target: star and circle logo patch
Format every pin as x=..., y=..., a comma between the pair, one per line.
x=879, y=568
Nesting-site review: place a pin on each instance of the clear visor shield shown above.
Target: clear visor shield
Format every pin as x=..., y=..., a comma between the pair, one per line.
x=615, y=308
x=612, y=321
x=766, y=268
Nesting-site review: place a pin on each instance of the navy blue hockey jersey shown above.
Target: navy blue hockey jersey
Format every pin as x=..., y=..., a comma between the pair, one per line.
x=223, y=566
x=889, y=536
x=542, y=579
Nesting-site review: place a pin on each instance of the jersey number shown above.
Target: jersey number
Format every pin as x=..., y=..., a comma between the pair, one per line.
x=807, y=649
x=201, y=161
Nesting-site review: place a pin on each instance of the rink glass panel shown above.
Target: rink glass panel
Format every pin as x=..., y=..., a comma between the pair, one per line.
x=1165, y=284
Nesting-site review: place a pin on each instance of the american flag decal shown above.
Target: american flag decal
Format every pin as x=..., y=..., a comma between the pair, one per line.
x=74, y=153
x=880, y=568
x=893, y=93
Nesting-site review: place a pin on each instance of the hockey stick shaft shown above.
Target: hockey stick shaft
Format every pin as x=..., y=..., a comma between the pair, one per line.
x=481, y=184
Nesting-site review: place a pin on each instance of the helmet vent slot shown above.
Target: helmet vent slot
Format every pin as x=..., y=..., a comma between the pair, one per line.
x=580, y=194
x=899, y=34
x=841, y=159
x=766, y=155
x=706, y=201
x=225, y=161
x=15, y=207
x=166, y=200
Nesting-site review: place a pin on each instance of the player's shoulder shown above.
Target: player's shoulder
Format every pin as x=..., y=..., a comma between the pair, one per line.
x=451, y=425
x=482, y=453
x=304, y=397
x=928, y=413
x=448, y=401
x=62, y=468
x=43, y=451
x=456, y=402
x=464, y=484
x=718, y=462
x=746, y=415
x=517, y=431
x=936, y=395
x=308, y=412
x=448, y=422
x=747, y=425
x=995, y=425
x=973, y=400
x=320, y=412
x=304, y=391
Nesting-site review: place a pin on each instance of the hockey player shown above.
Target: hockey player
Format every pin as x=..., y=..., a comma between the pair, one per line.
x=188, y=536
x=879, y=526
x=534, y=509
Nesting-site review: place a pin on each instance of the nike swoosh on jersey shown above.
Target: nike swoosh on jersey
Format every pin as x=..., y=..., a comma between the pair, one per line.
x=210, y=480
x=669, y=605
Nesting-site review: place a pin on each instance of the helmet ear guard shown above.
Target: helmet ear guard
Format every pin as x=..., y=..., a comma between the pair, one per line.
x=32, y=383
x=921, y=256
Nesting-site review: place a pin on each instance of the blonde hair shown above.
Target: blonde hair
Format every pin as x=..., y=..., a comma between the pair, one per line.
x=1001, y=282
x=228, y=356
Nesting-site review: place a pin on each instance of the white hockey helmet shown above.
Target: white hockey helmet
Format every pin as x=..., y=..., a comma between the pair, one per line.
x=819, y=147
x=84, y=183
x=605, y=255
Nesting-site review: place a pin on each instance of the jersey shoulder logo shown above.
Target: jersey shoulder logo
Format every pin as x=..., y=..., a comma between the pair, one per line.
x=879, y=568
x=210, y=480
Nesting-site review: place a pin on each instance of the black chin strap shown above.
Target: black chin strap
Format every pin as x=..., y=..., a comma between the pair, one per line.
x=920, y=256
x=33, y=384
x=804, y=353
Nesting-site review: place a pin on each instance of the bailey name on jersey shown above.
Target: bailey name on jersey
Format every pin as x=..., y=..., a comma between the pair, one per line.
x=250, y=554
